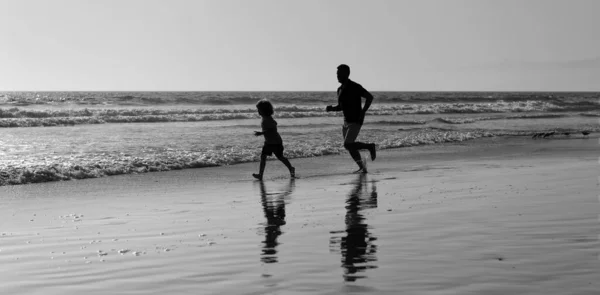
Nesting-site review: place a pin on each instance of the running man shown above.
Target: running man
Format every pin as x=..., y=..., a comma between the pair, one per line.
x=350, y=96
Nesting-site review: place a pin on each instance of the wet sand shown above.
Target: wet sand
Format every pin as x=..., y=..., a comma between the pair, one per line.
x=490, y=216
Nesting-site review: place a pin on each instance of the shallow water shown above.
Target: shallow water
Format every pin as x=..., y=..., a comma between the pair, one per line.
x=38, y=154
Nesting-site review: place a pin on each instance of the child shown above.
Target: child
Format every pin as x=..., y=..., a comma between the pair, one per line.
x=273, y=143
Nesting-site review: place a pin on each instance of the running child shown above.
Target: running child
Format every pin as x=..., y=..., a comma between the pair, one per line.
x=273, y=142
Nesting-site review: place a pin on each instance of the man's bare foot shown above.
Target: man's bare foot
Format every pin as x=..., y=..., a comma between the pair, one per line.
x=293, y=172
x=257, y=176
x=372, y=151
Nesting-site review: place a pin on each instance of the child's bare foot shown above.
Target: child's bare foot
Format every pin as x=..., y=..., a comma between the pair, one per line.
x=372, y=151
x=361, y=170
x=293, y=172
x=257, y=176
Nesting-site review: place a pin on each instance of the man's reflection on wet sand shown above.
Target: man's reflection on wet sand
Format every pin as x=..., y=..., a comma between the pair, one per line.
x=357, y=248
x=273, y=205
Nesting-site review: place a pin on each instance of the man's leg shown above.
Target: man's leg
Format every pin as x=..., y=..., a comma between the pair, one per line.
x=350, y=132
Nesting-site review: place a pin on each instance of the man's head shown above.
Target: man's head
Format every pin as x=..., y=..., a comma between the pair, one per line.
x=343, y=72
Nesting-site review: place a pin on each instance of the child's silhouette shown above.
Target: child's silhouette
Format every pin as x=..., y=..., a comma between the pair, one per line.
x=273, y=142
x=274, y=209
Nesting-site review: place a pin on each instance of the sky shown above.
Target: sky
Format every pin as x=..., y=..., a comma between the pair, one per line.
x=284, y=45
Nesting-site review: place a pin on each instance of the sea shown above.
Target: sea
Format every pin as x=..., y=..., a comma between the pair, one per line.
x=58, y=136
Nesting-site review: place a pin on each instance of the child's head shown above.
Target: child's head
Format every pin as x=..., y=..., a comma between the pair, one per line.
x=265, y=108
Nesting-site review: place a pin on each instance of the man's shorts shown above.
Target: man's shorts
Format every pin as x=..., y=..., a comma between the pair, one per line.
x=270, y=149
x=350, y=132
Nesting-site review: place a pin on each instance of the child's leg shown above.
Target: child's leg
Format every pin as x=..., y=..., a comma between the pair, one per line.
x=286, y=162
x=263, y=162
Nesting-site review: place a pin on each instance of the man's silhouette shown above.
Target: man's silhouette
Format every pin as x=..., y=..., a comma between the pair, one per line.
x=357, y=247
x=350, y=96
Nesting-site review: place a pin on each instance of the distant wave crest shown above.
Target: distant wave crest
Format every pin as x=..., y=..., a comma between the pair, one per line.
x=23, y=117
x=570, y=100
x=448, y=120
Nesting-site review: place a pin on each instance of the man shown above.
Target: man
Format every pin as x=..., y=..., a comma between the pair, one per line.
x=350, y=103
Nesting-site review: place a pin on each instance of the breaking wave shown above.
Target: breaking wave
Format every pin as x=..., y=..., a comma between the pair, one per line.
x=56, y=168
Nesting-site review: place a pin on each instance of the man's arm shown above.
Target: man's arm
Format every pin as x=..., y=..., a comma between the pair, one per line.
x=368, y=100
x=336, y=108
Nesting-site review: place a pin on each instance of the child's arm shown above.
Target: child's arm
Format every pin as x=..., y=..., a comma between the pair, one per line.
x=336, y=108
x=266, y=131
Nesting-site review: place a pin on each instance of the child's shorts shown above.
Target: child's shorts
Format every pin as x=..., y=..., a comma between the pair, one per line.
x=270, y=149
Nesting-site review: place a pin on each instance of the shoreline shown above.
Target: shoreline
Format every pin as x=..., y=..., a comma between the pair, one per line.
x=500, y=216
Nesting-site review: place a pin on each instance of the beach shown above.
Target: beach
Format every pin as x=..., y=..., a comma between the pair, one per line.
x=411, y=147
x=498, y=215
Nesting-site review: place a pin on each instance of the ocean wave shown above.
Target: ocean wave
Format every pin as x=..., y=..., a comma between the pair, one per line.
x=448, y=120
x=571, y=100
x=37, y=167
x=558, y=98
x=49, y=122
x=590, y=114
x=23, y=117
x=533, y=116
x=161, y=98
x=58, y=168
x=455, y=120
x=393, y=123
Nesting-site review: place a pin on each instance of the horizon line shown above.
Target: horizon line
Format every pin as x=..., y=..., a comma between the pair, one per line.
x=1, y=91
